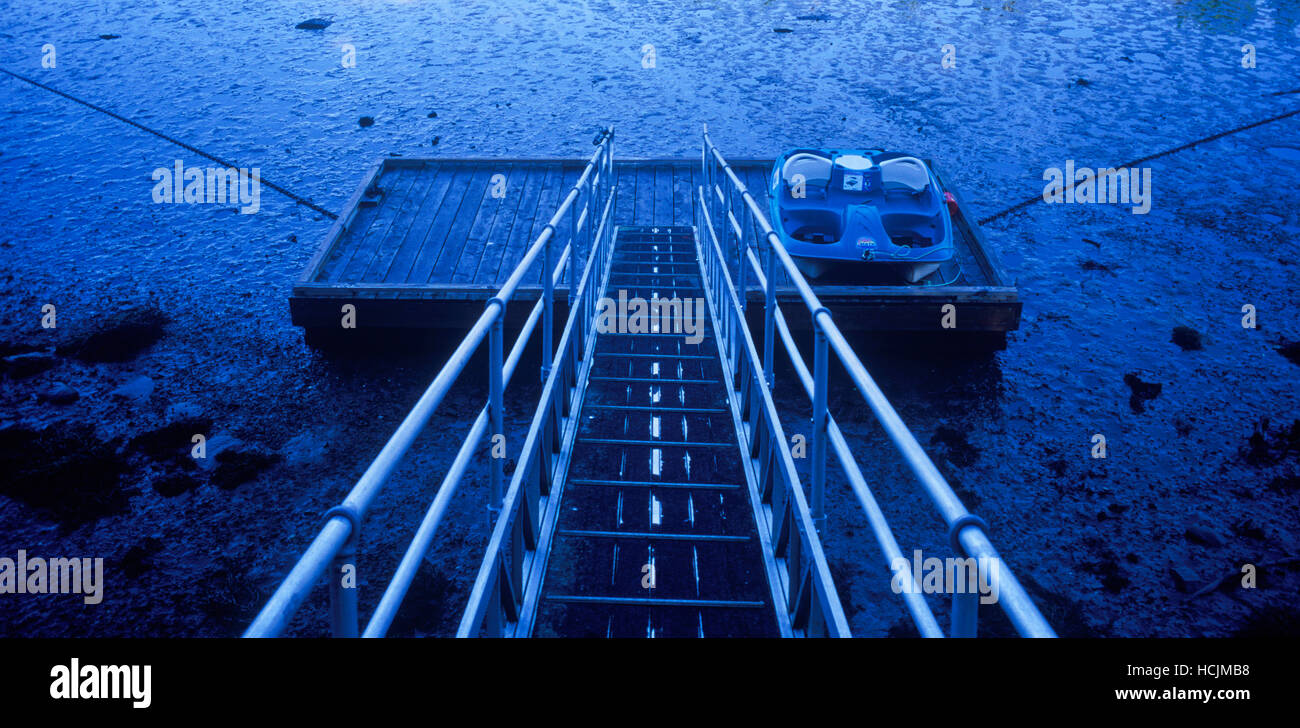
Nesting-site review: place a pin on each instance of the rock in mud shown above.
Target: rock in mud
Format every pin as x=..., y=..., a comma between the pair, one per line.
x=215, y=446
x=1204, y=536
x=1185, y=578
x=1248, y=529
x=135, y=388
x=314, y=24
x=1268, y=446
x=64, y=471
x=305, y=449
x=1187, y=338
x=58, y=393
x=121, y=338
x=1112, y=575
x=21, y=366
x=1141, y=392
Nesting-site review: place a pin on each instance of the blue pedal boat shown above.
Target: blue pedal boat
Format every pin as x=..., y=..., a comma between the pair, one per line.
x=866, y=216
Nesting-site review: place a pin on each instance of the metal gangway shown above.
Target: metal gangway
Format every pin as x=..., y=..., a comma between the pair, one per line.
x=656, y=492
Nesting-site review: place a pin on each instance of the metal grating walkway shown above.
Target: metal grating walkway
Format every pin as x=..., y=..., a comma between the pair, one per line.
x=656, y=481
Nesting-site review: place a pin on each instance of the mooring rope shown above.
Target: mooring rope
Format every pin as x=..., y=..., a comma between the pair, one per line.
x=1026, y=203
x=296, y=198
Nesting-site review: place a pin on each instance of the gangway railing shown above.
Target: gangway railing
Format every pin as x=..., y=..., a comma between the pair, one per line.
x=811, y=602
x=738, y=231
x=507, y=587
x=333, y=551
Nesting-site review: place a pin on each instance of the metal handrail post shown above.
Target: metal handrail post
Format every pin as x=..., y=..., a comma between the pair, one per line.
x=820, y=386
x=742, y=252
x=548, y=306
x=344, y=621
x=497, y=406
x=769, y=317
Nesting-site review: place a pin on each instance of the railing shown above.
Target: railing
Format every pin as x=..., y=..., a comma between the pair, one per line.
x=334, y=548
x=503, y=599
x=732, y=218
x=810, y=600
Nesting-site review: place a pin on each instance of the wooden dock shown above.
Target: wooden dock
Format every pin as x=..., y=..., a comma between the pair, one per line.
x=423, y=243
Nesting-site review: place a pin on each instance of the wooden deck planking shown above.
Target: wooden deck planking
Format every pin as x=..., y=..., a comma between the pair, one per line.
x=663, y=207
x=643, y=211
x=518, y=239
x=477, y=239
x=683, y=195
x=431, y=230
x=566, y=226
x=409, y=227
x=438, y=269
x=625, y=204
x=385, y=227
x=529, y=180
x=362, y=243
x=553, y=193
x=398, y=252
x=437, y=237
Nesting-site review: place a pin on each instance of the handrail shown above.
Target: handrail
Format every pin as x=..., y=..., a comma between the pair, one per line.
x=966, y=532
x=811, y=602
x=510, y=574
x=336, y=542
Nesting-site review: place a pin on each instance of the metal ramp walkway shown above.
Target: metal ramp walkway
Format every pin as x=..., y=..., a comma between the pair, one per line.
x=656, y=534
x=655, y=494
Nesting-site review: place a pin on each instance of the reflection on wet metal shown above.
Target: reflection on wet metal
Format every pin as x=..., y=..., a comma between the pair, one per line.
x=718, y=546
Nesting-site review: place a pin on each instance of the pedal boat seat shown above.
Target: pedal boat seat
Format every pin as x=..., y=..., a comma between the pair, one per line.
x=906, y=174
x=816, y=170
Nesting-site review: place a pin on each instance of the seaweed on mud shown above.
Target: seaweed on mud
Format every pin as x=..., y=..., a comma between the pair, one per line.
x=121, y=337
x=1141, y=392
x=171, y=439
x=64, y=471
x=1187, y=338
x=1291, y=351
x=238, y=466
x=139, y=558
x=1269, y=446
